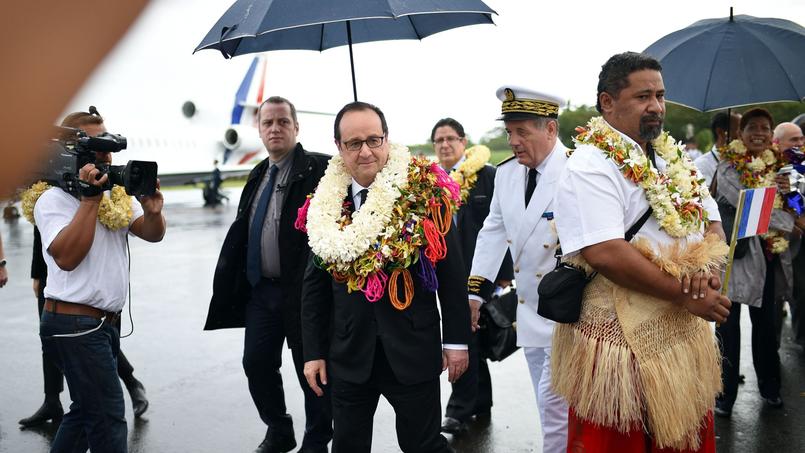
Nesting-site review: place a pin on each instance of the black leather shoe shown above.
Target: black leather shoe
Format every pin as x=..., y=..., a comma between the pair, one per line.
x=276, y=443
x=454, y=426
x=722, y=409
x=50, y=410
x=138, y=400
x=309, y=449
x=775, y=401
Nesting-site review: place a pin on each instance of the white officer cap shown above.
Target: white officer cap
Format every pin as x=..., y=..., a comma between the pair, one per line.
x=522, y=103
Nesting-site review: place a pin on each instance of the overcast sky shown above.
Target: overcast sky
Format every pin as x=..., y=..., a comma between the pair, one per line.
x=556, y=46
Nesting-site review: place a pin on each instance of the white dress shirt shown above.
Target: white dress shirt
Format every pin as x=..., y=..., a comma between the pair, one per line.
x=707, y=164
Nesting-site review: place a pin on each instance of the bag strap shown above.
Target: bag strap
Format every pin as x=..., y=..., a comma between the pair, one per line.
x=639, y=224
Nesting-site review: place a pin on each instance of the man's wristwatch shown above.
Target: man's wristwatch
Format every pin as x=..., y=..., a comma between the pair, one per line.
x=3, y=263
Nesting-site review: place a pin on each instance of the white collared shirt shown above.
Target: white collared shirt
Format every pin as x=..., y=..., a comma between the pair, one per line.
x=707, y=164
x=356, y=194
x=596, y=203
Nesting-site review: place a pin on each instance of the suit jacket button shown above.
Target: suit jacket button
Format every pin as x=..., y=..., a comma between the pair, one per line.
x=539, y=275
x=508, y=241
x=516, y=269
x=545, y=246
x=522, y=301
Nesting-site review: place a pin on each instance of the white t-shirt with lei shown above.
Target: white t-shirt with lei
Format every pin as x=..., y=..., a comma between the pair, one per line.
x=101, y=280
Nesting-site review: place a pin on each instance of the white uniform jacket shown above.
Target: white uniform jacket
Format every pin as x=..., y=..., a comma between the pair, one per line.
x=528, y=234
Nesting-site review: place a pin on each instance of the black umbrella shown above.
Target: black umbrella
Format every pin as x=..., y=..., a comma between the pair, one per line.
x=733, y=61
x=250, y=26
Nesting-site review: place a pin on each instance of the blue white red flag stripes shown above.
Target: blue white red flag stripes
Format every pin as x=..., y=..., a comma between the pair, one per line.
x=756, y=207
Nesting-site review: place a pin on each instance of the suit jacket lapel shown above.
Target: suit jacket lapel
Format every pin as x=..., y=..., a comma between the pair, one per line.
x=543, y=195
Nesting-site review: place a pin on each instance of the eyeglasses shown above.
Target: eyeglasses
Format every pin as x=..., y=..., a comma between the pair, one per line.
x=371, y=142
x=450, y=139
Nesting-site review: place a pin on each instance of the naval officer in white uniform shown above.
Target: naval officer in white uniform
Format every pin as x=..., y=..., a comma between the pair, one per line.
x=520, y=220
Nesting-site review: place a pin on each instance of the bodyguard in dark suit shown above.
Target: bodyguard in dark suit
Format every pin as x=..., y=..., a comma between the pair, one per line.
x=472, y=393
x=368, y=349
x=259, y=276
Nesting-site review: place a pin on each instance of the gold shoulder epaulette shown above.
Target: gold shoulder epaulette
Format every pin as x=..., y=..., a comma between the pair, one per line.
x=506, y=160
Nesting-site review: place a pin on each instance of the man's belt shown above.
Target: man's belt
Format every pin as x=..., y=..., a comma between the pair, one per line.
x=69, y=308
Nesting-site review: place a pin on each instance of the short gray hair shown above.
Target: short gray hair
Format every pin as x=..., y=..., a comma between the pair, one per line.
x=542, y=122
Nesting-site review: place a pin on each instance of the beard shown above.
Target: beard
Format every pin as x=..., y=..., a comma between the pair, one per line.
x=650, y=132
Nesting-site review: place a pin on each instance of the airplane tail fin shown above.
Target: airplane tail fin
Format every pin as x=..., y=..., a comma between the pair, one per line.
x=250, y=94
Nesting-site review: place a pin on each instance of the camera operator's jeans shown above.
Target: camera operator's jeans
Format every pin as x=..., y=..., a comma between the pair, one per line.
x=89, y=362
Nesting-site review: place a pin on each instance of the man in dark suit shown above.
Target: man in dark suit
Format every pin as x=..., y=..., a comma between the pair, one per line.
x=373, y=349
x=472, y=393
x=259, y=276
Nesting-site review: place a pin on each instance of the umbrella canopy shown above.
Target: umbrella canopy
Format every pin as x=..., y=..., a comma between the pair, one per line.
x=250, y=26
x=733, y=61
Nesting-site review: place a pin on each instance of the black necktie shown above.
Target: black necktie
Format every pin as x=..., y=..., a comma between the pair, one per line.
x=363, y=194
x=254, y=261
x=531, y=185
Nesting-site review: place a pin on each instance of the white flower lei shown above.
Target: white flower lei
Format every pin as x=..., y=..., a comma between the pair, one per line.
x=679, y=189
x=333, y=244
x=754, y=172
x=114, y=211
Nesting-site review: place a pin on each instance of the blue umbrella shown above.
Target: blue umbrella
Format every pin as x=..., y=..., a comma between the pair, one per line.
x=250, y=26
x=731, y=62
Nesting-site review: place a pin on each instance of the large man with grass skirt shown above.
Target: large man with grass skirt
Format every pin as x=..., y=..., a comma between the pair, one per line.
x=640, y=369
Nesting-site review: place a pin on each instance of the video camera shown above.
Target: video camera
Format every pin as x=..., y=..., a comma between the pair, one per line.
x=71, y=149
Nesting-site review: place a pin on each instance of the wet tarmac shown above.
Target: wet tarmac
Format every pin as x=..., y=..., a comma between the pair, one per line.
x=199, y=400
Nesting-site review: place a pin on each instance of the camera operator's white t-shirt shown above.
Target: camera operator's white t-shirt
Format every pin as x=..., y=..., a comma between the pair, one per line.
x=101, y=279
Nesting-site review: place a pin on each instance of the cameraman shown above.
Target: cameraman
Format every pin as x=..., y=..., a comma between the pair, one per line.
x=86, y=289
x=51, y=408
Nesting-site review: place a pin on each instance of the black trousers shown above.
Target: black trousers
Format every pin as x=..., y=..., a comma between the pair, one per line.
x=472, y=393
x=798, y=304
x=765, y=357
x=262, y=359
x=417, y=408
x=54, y=379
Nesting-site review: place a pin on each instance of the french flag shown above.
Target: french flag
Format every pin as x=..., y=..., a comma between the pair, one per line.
x=755, y=212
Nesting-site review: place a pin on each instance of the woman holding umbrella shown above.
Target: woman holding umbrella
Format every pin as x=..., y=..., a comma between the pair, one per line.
x=765, y=265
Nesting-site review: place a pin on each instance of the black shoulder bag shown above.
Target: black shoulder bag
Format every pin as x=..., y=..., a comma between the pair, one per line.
x=497, y=338
x=561, y=290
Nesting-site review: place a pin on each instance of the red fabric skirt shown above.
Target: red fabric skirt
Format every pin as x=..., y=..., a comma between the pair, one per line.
x=585, y=437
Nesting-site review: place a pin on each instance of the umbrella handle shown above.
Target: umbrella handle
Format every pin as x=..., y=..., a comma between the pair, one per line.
x=351, y=61
x=224, y=32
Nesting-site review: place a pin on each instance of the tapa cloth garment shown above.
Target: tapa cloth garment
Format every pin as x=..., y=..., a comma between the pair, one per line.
x=633, y=359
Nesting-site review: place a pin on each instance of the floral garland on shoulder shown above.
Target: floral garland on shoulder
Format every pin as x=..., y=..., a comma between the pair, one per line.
x=407, y=213
x=676, y=195
x=467, y=173
x=754, y=172
x=114, y=211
